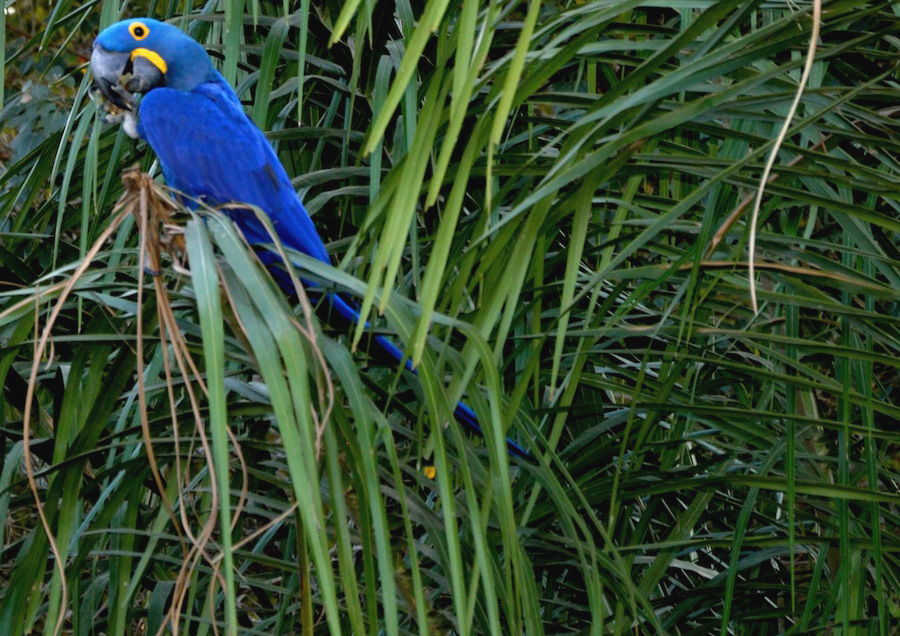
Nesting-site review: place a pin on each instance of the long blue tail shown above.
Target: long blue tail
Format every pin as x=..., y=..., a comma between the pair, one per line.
x=463, y=413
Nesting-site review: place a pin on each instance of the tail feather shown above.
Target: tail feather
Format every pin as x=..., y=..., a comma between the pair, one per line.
x=463, y=413
x=467, y=417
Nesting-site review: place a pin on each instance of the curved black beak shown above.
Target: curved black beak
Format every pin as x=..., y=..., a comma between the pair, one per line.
x=117, y=77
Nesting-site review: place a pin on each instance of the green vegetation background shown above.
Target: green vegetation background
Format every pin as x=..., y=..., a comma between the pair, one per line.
x=549, y=203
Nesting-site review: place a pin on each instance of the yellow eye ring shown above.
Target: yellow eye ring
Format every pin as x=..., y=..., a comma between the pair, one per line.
x=138, y=30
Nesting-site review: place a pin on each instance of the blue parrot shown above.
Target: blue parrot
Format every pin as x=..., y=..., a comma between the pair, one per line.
x=207, y=146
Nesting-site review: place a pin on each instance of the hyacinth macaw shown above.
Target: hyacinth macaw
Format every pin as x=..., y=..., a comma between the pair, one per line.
x=207, y=146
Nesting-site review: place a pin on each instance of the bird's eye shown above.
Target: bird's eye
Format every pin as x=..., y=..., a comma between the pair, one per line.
x=138, y=30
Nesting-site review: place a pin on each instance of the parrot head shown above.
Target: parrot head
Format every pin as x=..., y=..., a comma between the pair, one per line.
x=138, y=55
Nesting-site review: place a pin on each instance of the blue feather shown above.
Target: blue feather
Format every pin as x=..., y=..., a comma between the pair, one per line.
x=209, y=149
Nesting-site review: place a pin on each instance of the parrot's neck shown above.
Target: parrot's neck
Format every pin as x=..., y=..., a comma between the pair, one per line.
x=192, y=69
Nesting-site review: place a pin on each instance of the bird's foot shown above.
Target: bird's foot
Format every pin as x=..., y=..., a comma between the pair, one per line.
x=114, y=114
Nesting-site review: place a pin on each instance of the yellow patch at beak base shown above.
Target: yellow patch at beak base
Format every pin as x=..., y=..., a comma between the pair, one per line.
x=153, y=57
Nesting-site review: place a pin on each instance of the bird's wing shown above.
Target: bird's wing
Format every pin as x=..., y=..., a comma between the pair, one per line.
x=210, y=149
